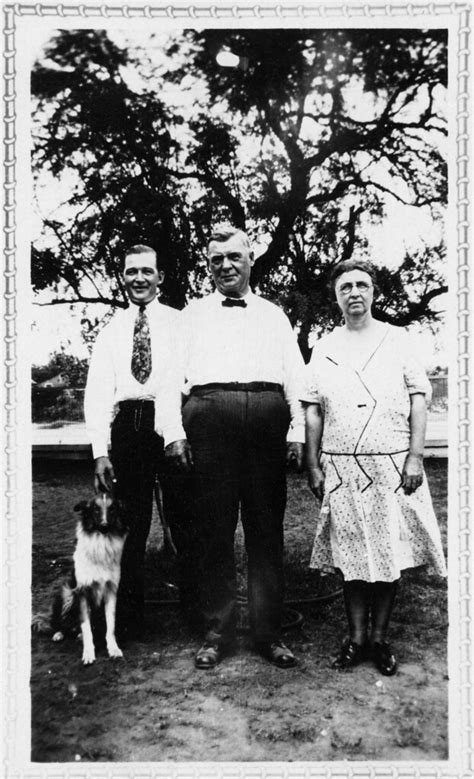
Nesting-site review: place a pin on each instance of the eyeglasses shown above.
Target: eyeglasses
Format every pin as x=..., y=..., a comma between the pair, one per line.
x=361, y=286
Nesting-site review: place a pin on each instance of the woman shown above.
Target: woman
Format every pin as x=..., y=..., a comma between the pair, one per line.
x=365, y=397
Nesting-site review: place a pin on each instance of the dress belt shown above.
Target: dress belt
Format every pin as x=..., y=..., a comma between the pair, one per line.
x=136, y=405
x=239, y=386
x=139, y=413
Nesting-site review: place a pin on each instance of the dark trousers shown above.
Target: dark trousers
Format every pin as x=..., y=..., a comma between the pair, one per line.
x=178, y=506
x=238, y=440
x=137, y=456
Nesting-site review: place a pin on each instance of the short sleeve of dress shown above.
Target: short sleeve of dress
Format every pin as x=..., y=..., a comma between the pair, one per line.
x=310, y=392
x=414, y=373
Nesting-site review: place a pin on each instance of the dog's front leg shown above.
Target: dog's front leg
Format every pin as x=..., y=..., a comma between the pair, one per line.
x=110, y=604
x=88, y=651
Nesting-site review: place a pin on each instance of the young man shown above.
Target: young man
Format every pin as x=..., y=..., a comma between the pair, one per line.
x=133, y=392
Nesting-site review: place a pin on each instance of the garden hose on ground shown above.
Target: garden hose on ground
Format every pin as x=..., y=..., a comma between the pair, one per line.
x=294, y=618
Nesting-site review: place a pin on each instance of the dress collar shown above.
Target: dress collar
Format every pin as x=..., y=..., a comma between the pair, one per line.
x=336, y=346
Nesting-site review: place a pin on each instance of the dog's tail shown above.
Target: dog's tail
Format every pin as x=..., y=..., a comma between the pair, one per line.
x=63, y=616
x=41, y=623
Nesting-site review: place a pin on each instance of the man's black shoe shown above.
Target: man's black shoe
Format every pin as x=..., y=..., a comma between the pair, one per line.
x=277, y=653
x=208, y=656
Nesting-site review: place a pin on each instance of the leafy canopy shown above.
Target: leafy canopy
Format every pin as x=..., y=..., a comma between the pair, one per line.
x=303, y=144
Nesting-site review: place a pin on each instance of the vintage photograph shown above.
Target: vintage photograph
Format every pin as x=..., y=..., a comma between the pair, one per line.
x=241, y=365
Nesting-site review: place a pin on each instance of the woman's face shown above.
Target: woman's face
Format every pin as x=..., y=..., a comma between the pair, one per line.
x=354, y=293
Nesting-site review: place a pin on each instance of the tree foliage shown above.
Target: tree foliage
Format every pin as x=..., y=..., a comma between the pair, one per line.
x=303, y=145
x=72, y=369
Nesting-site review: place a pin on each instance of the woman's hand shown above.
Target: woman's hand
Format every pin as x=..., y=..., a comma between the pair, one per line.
x=314, y=432
x=316, y=481
x=412, y=473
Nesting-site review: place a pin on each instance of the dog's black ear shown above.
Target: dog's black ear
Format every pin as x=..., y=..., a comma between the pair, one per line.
x=80, y=506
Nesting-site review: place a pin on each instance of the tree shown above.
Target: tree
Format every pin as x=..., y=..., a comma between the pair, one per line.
x=116, y=142
x=303, y=144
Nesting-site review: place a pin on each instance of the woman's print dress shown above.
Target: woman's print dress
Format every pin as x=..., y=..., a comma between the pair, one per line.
x=368, y=527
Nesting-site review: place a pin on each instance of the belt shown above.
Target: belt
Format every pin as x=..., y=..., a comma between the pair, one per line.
x=239, y=386
x=138, y=413
x=136, y=405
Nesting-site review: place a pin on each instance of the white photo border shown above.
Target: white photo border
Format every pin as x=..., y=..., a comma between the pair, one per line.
x=15, y=632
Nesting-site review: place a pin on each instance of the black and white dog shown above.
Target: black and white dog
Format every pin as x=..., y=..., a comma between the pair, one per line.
x=100, y=537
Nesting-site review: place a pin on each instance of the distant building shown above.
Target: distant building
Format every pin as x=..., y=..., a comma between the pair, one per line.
x=439, y=386
x=57, y=381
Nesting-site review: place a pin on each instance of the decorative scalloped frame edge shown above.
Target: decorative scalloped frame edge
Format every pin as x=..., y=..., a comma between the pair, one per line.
x=463, y=766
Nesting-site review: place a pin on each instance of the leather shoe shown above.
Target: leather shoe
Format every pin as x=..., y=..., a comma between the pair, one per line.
x=350, y=654
x=208, y=656
x=383, y=658
x=277, y=653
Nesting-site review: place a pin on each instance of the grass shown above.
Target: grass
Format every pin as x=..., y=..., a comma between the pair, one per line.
x=63, y=484
x=154, y=706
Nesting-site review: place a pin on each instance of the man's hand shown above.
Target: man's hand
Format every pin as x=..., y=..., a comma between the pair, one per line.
x=294, y=455
x=180, y=455
x=104, y=476
x=412, y=473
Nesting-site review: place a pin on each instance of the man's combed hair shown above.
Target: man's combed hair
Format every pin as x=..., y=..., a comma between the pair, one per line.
x=141, y=248
x=222, y=232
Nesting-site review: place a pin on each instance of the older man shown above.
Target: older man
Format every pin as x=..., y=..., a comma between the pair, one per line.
x=242, y=368
x=133, y=391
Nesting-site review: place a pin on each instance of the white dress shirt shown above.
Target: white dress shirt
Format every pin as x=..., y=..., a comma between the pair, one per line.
x=249, y=344
x=110, y=379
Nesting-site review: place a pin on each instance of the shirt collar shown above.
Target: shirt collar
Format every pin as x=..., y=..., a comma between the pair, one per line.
x=135, y=306
x=219, y=297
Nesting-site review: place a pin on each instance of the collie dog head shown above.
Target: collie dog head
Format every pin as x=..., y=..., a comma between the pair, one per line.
x=102, y=514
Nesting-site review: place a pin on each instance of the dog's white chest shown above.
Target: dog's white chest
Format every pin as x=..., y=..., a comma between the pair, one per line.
x=97, y=558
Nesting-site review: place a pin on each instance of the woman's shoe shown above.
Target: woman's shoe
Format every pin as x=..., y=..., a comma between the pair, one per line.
x=383, y=658
x=351, y=654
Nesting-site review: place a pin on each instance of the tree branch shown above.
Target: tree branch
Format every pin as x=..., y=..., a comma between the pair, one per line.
x=84, y=299
x=351, y=232
x=219, y=187
x=417, y=310
x=326, y=197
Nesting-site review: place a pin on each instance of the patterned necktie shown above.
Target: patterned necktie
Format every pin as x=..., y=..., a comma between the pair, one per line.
x=141, y=354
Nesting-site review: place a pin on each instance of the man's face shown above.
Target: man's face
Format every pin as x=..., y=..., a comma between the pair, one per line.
x=230, y=263
x=141, y=277
x=354, y=292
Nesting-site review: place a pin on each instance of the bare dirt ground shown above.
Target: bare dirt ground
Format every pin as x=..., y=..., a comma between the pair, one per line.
x=155, y=706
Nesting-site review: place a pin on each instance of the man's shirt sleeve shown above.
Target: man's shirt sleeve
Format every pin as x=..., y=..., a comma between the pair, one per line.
x=293, y=367
x=99, y=396
x=168, y=418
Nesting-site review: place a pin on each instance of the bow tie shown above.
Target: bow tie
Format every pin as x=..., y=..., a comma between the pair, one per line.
x=230, y=302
